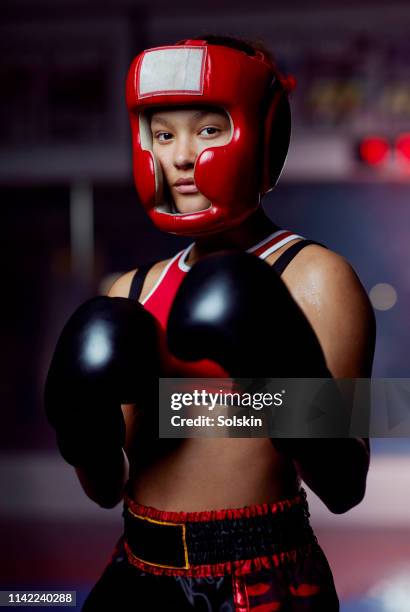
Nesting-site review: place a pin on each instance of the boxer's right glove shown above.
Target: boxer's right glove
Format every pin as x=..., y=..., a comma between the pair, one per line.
x=107, y=355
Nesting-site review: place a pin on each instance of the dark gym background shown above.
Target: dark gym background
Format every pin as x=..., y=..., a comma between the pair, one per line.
x=71, y=222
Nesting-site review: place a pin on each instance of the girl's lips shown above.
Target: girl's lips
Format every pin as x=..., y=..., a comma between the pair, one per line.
x=189, y=188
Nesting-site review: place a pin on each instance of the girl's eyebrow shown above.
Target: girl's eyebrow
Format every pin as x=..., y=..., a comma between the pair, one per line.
x=203, y=113
x=198, y=115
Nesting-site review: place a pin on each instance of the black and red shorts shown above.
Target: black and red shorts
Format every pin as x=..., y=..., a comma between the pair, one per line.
x=260, y=558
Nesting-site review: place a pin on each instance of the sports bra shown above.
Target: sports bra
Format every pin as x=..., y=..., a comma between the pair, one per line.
x=160, y=298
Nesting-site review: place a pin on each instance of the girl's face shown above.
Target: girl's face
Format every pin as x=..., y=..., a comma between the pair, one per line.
x=179, y=136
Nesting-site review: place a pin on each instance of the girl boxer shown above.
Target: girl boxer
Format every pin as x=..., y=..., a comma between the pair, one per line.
x=213, y=523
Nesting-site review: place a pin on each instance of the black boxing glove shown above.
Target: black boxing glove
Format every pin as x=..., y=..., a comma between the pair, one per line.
x=107, y=355
x=234, y=309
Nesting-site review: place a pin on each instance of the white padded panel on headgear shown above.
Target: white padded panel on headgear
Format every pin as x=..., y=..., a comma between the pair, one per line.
x=168, y=71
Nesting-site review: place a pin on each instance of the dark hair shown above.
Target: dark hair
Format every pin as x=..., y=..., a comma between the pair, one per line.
x=250, y=47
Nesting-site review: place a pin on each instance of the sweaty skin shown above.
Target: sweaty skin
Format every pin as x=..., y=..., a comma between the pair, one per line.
x=205, y=473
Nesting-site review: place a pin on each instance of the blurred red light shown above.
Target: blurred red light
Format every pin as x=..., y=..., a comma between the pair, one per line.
x=403, y=146
x=374, y=150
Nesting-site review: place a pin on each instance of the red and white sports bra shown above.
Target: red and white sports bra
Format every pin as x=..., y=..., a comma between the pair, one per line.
x=161, y=296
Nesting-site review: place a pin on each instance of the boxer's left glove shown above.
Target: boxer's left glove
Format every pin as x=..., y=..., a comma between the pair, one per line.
x=107, y=355
x=234, y=309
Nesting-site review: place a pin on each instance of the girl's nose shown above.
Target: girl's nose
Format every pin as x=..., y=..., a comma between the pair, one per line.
x=184, y=154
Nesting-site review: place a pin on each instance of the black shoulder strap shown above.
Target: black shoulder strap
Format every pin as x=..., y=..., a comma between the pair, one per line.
x=138, y=280
x=286, y=257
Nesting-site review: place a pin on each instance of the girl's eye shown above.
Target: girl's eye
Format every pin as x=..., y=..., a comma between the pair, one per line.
x=163, y=136
x=209, y=131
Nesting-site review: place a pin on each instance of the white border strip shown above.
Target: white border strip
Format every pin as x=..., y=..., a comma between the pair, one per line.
x=182, y=260
x=185, y=268
x=265, y=240
x=279, y=244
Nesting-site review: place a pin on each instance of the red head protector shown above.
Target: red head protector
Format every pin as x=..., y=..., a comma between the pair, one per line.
x=234, y=176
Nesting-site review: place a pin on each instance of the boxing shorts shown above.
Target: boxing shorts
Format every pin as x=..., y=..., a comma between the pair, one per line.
x=259, y=558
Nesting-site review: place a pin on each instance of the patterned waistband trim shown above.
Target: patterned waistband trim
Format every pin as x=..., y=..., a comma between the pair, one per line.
x=222, y=514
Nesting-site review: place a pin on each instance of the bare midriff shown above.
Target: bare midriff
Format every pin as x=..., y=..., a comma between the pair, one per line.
x=197, y=474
